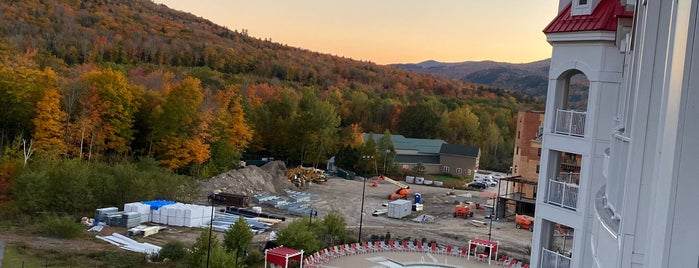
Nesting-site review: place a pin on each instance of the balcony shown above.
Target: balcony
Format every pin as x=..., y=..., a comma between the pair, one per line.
x=552, y=259
x=616, y=181
x=563, y=194
x=569, y=122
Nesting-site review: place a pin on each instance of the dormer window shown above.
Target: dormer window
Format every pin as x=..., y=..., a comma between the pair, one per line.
x=584, y=7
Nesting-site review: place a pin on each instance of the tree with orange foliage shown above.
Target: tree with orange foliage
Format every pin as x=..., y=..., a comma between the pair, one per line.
x=109, y=106
x=229, y=132
x=49, y=130
x=179, y=129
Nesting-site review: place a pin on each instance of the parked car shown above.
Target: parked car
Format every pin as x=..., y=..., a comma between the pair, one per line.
x=490, y=182
x=477, y=185
x=498, y=176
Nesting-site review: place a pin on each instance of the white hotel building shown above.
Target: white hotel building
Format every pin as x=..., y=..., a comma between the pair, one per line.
x=635, y=200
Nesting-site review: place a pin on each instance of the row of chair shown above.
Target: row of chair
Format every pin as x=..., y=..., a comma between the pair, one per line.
x=511, y=262
x=333, y=252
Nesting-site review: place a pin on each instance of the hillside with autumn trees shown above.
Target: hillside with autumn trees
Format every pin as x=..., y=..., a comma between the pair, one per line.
x=133, y=82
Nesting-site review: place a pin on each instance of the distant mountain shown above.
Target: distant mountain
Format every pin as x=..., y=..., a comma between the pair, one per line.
x=526, y=78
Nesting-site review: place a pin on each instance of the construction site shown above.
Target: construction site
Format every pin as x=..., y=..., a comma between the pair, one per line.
x=393, y=208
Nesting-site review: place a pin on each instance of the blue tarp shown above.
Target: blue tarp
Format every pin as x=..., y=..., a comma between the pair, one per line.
x=157, y=204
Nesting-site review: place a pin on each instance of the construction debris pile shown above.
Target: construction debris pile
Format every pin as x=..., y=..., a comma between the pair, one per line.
x=301, y=175
x=295, y=202
x=251, y=180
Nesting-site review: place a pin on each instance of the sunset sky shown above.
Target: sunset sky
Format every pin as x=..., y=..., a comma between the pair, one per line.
x=392, y=31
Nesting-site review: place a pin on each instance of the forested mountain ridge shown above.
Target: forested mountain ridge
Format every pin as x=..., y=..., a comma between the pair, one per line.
x=135, y=32
x=527, y=78
x=110, y=80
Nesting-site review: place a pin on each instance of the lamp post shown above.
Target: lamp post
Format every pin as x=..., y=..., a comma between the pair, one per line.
x=385, y=156
x=311, y=214
x=211, y=223
x=490, y=230
x=361, y=211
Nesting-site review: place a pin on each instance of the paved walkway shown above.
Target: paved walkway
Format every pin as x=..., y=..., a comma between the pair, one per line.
x=388, y=258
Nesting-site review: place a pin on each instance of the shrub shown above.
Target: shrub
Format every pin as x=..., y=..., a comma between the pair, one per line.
x=173, y=250
x=61, y=227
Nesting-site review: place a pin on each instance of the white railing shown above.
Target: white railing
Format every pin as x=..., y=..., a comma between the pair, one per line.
x=616, y=181
x=570, y=122
x=569, y=177
x=563, y=194
x=551, y=259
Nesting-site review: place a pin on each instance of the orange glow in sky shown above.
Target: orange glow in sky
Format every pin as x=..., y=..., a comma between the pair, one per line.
x=392, y=31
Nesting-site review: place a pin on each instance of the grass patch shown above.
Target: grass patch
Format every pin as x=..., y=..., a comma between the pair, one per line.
x=22, y=256
x=60, y=227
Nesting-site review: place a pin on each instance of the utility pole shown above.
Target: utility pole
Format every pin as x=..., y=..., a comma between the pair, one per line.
x=361, y=211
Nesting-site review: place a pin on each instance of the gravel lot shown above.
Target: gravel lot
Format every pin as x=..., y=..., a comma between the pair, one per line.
x=344, y=196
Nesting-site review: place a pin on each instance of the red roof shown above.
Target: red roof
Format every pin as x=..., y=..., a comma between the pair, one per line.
x=603, y=18
x=280, y=255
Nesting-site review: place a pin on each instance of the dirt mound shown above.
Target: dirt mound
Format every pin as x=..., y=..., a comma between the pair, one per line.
x=250, y=180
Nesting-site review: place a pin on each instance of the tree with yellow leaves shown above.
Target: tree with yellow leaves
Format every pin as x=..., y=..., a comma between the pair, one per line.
x=179, y=129
x=49, y=130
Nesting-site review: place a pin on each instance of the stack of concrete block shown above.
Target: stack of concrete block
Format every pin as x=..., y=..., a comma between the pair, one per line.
x=141, y=208
x=101, y=213
x=130, y=219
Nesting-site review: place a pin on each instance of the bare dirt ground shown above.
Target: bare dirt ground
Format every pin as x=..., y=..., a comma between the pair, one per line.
x=343, y=196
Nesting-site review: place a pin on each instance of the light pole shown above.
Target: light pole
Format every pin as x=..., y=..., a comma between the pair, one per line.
x=211, y=223
x=490, y=231
x=361, y=211
x=385, y=156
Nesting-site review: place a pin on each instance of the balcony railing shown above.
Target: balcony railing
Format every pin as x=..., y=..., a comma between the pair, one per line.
x=569, y=177
x=570, y=122
x=616, y=181
x=552, y=259
x=563, y=194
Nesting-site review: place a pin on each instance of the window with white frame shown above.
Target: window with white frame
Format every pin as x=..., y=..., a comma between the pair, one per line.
x=459, y=170
x=445, y=168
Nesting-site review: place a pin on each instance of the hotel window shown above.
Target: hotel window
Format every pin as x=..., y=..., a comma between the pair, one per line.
x=459, y=170
x=539, y=152
x=582, y=2
x=445, y=168
x=537, y=169
x=517, y=150
x=519, y=134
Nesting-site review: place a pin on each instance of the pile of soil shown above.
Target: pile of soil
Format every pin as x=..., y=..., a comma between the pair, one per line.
x=250, y=180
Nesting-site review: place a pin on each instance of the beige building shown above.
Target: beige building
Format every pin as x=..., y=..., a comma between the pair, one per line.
x=518, y=192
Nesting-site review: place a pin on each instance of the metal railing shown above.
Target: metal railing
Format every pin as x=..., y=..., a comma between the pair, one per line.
x=569, y=177
x=618, y=159
x=569, y=122
x=563, y=194
x=552, y=259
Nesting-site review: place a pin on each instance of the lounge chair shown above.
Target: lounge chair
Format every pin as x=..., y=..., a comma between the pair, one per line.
x=502, y=260
x=511, y=263
x=464, y=252
x=378, y=246
x=328, y=254
x=358, y=248
x=406, y=246
x=447, y=251
x=385, y=246
x=348, y=251
x=368, y=247
x=455, y=251
x=433, y=247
